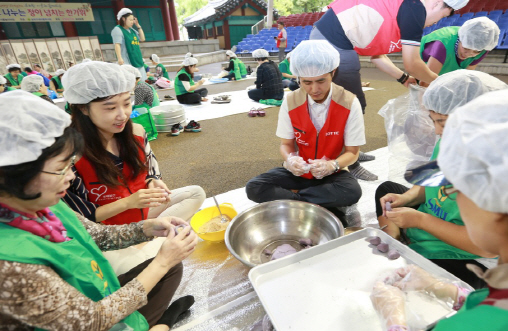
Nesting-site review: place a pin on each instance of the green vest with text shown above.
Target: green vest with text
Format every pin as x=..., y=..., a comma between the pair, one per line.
x=179, y=88
x=132, y=47
x=14, y=81
x=79, y=261
x=448, y=36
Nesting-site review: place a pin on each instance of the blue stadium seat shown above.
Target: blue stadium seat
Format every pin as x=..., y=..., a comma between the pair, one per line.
x=467, y=15
x=480, y=14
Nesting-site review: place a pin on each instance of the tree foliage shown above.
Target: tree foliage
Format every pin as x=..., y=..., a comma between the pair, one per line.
x=288, y=7
x=185, y=8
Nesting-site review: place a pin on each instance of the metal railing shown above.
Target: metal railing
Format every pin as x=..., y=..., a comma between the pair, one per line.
x=258, y=26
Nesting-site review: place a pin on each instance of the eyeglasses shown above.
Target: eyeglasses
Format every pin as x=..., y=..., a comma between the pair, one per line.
x=448, y=191
x=64, y=171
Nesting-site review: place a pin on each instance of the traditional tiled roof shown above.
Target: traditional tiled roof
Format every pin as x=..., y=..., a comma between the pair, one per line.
x=216, y=9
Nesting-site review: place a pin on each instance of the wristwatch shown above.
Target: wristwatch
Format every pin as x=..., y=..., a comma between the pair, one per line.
x=337, y=166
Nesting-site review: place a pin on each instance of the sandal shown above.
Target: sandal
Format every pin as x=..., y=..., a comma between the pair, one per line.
x=261, y=112
x=253, y=112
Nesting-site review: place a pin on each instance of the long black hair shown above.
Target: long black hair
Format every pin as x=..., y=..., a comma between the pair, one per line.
x=99, y=157
x=15, y=178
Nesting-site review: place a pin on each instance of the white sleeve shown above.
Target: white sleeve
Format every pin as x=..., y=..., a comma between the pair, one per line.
x=186, y=85
x=284, y=126
x=354, y=133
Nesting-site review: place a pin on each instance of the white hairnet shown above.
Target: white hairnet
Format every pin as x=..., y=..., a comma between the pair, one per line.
x=59, y=72
x=480, y=34
x=313, y=58
x=473, y=153
x=260, y=53
x=3, y=81
x=155, y=58
x=122, y=12
x=86, y=60
x=32, y=83
x=188, y=55
x=132, y=70
x=190, y=61
x=288, y=55
x=88, y=81
x=230, y=54
x=13, y=65
x=456, y=88
x=28, y=125
x=456, y=4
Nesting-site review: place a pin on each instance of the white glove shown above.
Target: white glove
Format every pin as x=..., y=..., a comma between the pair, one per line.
x=322, y=168
x=390, y=303
x=296, y=165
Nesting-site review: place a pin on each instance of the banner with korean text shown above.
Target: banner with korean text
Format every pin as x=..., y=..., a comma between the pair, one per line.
x=45, y=12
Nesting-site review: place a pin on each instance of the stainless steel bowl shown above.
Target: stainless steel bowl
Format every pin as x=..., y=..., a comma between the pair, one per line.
x=270, y=224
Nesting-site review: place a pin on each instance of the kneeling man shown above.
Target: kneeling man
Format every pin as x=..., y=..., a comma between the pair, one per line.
x=321, y=128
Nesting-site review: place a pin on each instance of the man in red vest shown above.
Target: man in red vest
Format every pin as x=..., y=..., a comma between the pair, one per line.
x=282, y=41
x=378, y=27
x=321, y=128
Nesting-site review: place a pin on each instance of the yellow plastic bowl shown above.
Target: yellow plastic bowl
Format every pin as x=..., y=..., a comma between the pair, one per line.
x=206, y=215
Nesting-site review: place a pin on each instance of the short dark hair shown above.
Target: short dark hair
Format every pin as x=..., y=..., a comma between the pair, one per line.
x=261, y=59
x=28, y=69
x=122, y=22
x=281, y=23
x=15, y=178
x=445, y=5
x=14, y=69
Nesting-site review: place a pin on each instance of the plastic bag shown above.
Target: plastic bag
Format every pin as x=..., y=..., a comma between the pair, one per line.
x=148, y=124
x=163, y=83
x=410, y=131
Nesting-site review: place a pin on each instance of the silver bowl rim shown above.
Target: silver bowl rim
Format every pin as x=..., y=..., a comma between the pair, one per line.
x=252, y=265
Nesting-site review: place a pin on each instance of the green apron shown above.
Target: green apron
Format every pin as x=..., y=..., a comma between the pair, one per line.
x=448, y=36
x=37, y=94
x=476, y=317
x=147, y=67
x=284, y=68
x=241, y=65
x=8, y=88
x=79, y=261
x=440, y=206
x=179, y=88
x=164, y=71
x=236, y=69
x=146, y=119
x=59, y=85
x=132, y=47
x=14, y=81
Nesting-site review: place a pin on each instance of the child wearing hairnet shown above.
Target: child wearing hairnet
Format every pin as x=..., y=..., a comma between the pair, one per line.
x=452, y=48
x=118, y=180
x=424, y=216
x=35, y=85
x=474, y=173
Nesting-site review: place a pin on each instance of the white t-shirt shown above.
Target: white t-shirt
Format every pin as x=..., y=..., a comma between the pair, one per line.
x=354, y=132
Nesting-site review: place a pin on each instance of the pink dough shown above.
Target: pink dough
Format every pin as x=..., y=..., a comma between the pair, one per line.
x=388, y=206
x=283, y=250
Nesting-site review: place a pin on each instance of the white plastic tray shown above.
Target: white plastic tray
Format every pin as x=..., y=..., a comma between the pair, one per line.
x=328, y=287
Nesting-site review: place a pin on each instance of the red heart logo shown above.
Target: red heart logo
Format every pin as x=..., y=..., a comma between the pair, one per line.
x=99, y=191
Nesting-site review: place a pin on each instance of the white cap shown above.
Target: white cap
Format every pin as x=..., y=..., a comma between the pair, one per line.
x=313, y=58
x=230, y=54
x=91, y=80
x=480, y=34
x=32, y=83
x=28, y=125
x=3, y=81
x=190, y=55
x=155, y=58
x=59, y=72
x=260, y=53
x=288, y=55
x=190, y=61
x=456, y=4
x=13, y=65
x=454, y=89
x=132, y=70
x=473, y=154
x=122, y=12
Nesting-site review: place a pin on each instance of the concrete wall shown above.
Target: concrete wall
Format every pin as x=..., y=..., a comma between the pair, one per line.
x=166, y=48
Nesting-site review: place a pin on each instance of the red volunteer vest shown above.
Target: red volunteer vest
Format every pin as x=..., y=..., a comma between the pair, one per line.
x=329, y=142
x=281, y=43
x=101, y=194
x=370, y=25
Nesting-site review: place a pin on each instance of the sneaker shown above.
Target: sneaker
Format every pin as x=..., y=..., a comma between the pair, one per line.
x=176, y=129
x=168, y=97
x=193, y=126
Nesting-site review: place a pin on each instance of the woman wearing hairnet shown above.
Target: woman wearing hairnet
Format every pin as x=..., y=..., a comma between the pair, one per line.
x=187, y=91
x=452, y=48
x=53, y=275
x=35, y=84
x=127, y=39
x=118, y=180
x=3, y=85
x=268, y=79
x=160, y=69
x=236, y=68
x=475, y=175
x=14, y=76
x=145, y=95
x=425, y=215
x=56, y=81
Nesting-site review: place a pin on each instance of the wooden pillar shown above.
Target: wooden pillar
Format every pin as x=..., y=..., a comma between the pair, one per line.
x=167, y=21
x=117, y=5
x=2, y=33
x=69, y=27
x=225, y=31
x=214, y=31
x=174, y=19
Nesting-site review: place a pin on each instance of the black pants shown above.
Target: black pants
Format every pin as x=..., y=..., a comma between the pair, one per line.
x=192, y=98
x=337, y=190
x=160, y=296
x=455, y=267
x=258, y=94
